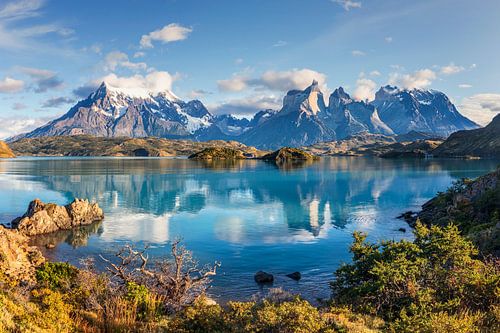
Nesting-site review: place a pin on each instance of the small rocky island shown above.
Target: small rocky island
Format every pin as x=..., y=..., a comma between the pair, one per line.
x=43, y=218
x=287, y=154
x=218, y=153
x=5, y=151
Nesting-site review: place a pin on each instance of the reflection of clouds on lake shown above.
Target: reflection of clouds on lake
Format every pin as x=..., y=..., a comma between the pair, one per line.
x=20, y=183
x=136, y=227
x=269, y=225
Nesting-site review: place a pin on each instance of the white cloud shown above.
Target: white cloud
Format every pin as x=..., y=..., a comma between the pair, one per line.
x=42, y=79
x=16, y=125
x=21, y=36
x=358, y=53
x=94, y=48
x=10, y=85
x=451, y=69
x=236, y=83
x=275, y=80
x=292, y=79
x=388, y=39
x=139, y=54
x=18, y=10
x=140, y=85
x=280, y=43
x=37, y=73
x=348, y=4
x=464, y=86
x=365, y=89
x=247, y=106
x=375, y=73
x=169, y=33
x=116, y=59
x=481, y=108
x=419, y=79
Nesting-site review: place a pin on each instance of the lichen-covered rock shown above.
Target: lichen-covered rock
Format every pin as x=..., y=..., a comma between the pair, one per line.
x=18, y=260
x=42, y=218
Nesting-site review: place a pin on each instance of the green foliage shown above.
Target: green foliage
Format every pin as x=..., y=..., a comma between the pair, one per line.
x=46, y=311
x=56, y=275
x=407, y=281
x=266, y=316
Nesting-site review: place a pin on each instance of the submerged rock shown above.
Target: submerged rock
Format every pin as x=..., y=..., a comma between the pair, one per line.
x=42, y=218
x=263, y=277
x=295, y=276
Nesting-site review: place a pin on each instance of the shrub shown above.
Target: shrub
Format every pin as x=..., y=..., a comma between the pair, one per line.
x=56, y=275
x=408, y=281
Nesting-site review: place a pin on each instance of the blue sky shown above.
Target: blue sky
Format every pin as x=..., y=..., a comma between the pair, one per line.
x=242, y=56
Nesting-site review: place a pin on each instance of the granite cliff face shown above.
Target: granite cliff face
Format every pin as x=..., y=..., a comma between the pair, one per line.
x=482, y=142
x=298, y=123
x=348, y=117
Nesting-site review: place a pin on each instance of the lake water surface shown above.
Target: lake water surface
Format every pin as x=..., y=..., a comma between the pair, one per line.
x=249, y=215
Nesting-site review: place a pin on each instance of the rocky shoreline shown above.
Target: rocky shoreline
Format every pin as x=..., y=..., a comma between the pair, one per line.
x=472, y=205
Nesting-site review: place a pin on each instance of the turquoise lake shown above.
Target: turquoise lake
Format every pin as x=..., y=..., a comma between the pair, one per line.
x=248, y=215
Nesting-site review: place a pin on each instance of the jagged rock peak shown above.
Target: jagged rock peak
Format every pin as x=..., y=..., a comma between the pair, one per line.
x=309, y=100
x=339, y=96
x=386, y=91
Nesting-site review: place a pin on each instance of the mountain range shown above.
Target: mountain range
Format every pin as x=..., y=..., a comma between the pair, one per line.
x=304, y=118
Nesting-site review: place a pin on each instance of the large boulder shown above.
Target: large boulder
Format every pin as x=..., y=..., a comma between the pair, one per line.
x=18, y=260
x=42, y=218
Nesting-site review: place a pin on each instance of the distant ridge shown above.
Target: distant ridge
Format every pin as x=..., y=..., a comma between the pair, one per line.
x=481, y=142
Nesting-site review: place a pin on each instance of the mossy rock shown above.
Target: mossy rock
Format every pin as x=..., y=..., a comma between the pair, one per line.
x=218, y=153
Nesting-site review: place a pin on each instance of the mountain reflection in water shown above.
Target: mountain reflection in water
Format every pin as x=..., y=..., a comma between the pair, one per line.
x=248, y=214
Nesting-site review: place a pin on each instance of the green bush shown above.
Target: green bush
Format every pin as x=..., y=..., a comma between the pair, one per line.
x=56, y=275
x=408, y=281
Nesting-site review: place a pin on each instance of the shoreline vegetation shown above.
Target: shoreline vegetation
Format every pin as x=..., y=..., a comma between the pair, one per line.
x=439, y=282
